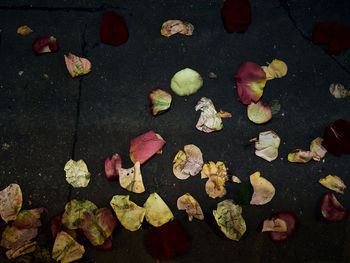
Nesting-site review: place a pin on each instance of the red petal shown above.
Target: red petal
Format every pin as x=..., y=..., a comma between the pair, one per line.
x=112, y=167
x=113, y=29
x=331, y=209
x=45, y=44
x=107, y=245
x=291, y=221
x=236, y=15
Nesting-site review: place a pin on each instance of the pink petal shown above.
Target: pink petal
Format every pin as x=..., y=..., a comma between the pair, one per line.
x=112, y=166
x=29, y=218
x=331, y=209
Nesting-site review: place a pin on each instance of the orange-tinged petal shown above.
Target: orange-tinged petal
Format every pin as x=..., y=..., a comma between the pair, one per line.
x=334, y=183
x=24, y=30
x=264, y=191
x=77, y=66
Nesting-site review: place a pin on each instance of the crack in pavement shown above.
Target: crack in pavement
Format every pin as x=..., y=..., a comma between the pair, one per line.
x=65, y=9
x=285, y=6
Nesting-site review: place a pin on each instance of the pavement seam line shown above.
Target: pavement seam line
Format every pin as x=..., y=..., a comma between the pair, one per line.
x=65, y=9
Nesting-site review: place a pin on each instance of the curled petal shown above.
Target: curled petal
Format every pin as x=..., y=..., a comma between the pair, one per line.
x=112, y=166
x=338, y=91
x=331, y=209
x=188, y=203
x=27, y=247
x=217, y=174
x=264, y=191
x=66, y=249
x=29, y=218
x=24, y=30
x=188, y=162
x=250, y=80
x=131, y=179
x=13, y=237
x=334, y=183
x=236, y=180
x=172, y=27
x=276, y=69
x=10, y=202
x=77, y=173
x=267, y=145
x=300, y=156
x=317, y=149
x=45, y=44
x=186, y=82
x=209, y=119
x=160, y=101
x=291, y=221
x=259, y=112
x=157, y=211
x=77, y=66
x=277, y=225
x=224, y=114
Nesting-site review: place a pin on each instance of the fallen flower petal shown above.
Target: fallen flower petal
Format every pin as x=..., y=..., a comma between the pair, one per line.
x=113, y=30
x=186, y=82
x=337, y=137
x=131, y=179
x=112, y=167
x=160, y=101
x=10, y=202
x=277, y=225
x=236, y=15
x=317, y=149
x=250, y=80
x=331, y=209
x=276, y=69
x=188, y=163
x=229, y=218
x=209, y=119
x=259, y=112
x=77, y=173
x=57, y=226
x=145, y=146
x=66, y=249
x=107, y=245
x=128, y=213
x=267, y=145
x=29, y=218
x=172, y=27
x=291, y=221
x=264, y=191
x=236, y=180
x=224, y=114
x=334, y=183
x=169, y=240
x=27, y=247
x=300, y=156
x=24, y=30
x=157, y=211
x=192, y=207
x=45, y=44
x=77, y=66
x=74, y=211
x=217, y=174
x=13, y=237
x=338, y=91
x=212, y=75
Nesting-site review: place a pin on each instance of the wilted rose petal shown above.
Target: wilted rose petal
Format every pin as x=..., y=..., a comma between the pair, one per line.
x=276, y=69
x=128, y=213
x=267, y=145
x=217, y=174
x=77, y=173
x=66, y=249
x=112, y=167
x=229, y=218
x=160, y=101
x=337, y=137
x=338, y=91
x=250, y=80
x=157, y=211
x=277, y=225
x=331, y=209
x=25, y=248
x=186, y=82
x=263, y=190
x=107, y=245
x=224, y=114
x=188, y=163
x=192, y=207
x=77, y=66
x=334, y=183
x=236, y=180
x=24, y=30
x=45, y=44
x=29, y=218
x=259, y=112
x=172, y=27
x=74, y=212
x=169, y=240
x=300, y=156
x=113, y=30
x=145, y=146
x=131, y=179
x=209, y=119
x=10, y=202
x=236, y=15
x=12, y=237
x=57, y=226
x=291, y=221
x=317, y=149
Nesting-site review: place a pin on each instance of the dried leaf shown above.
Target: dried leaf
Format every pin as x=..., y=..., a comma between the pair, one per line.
x=192, y=207
x=160, y=101
x=112, y=167
x=188, y=163
x=276, y=69
x=209, y=119
x=259, y=112
x=10, y=202
x=186, y=82
x=29, y=218
x=334, y=183
x=217, y=174
x=74, y=213
x=45, y=44
x=129, y=214
x=229, y=218
x=277, y=225
x=172, y=27
x=77, y=173
x=267, y=145
x=263, y=190
x=131, y=179
x=66, y=249
x=338, y=91
x=157, y=212
x=77, y=66
x=24, y=30
x=331, y=209
x=291, y=221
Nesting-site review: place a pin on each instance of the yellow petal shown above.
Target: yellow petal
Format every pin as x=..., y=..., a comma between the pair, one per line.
x=264, y=191
x=276, y=69
x=157, y=211
x=334, y=183
x=131, y=179
x=77, y=173
x=24, y=30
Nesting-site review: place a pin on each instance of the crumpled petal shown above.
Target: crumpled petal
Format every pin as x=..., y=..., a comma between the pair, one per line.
x=169, y=240
x=229, y=218
x=192, y=207
x=29, y=218
x=157, y=211
x=217, y=174
x=172, y=27
x=236, y=15
x=25, y=248
x=250, y=81
x=10, y=202
x=209, y=119
x=259, y=112
x=334, y=183
x=337, y=137
x=99, y=226
x=331, y=209
x=13, y=237
x=300, y=156
x=291, y=221
x=338, y=91
x=267, y=145
x=186, y=82
x=77, y=66
x=188, y=162
x=74, y=212
x=77, y=173
x=264, y=191
x=131, y=179
x=66, y=249
x=128, y=213
x=45, y=44
x=277, y=225
x=317, y=149
x=224, y=114
x=113, y=29
x=160, y=101
x=276, y=69
x=145, y=146
x=24, y=30
x=112, y=166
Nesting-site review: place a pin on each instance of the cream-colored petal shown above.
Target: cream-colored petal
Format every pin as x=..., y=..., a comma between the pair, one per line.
x=157, y=211
x=317, y=149
x=77, y=173
x=66, y=249
x=334, y=183
x=131, y=179
x=209, y=119
x=267, y=145
x=192, y=207
x=264, y=191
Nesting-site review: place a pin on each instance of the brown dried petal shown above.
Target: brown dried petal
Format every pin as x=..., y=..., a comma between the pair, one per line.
x=172, y=27
x=66, y=249
x=10, y=202
x=188, y=203
x=24, y=30
x=27, y=247
x=277, y=225
x=224, y=114
x=13, y=237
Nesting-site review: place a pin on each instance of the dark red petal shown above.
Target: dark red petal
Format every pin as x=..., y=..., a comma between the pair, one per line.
x=331, y=209
x=337, y=137
x=291, y=221
x=236, y=15
x=107, y=245
x=113, y=29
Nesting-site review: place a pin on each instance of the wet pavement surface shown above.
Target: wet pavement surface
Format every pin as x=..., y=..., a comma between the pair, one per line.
x=47, y=117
